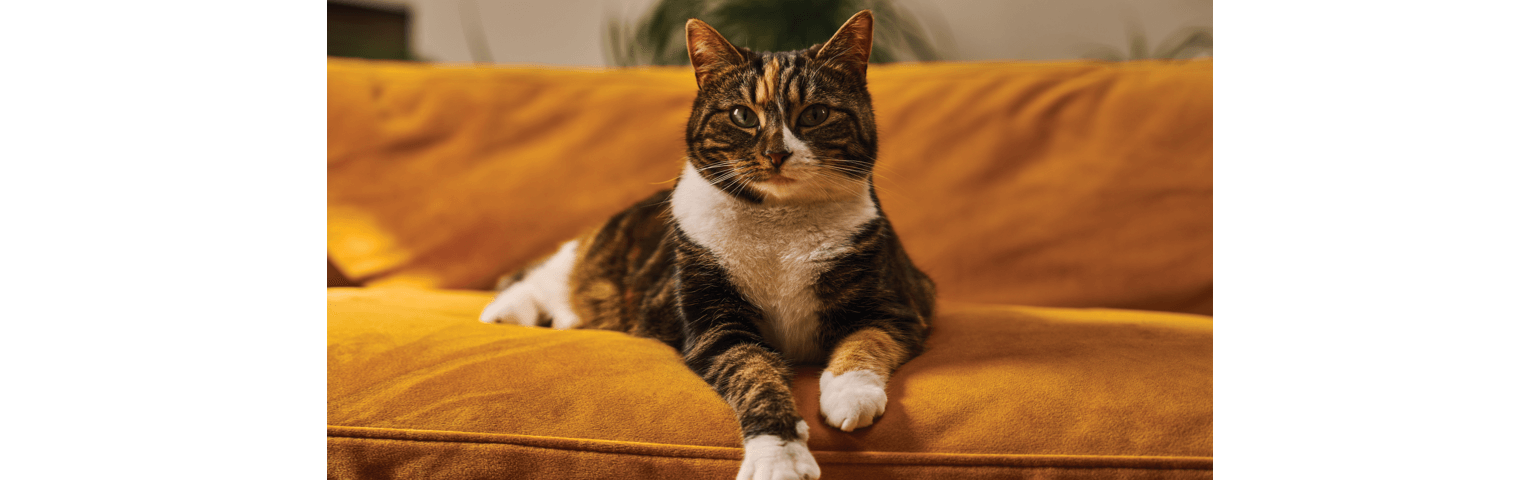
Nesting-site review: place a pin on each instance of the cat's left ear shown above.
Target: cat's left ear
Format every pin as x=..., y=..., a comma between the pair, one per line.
x=851, y=46
x=710, y=53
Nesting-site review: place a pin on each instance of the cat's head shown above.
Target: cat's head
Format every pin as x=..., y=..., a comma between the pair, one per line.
x=783, y=127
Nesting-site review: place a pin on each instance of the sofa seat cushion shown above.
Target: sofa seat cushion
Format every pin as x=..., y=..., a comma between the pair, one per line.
x=417, y=388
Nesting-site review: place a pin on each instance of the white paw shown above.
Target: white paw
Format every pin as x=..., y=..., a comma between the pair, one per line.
x=544, y=292
x=852, y=399
x=515, y=305
x=768, y=457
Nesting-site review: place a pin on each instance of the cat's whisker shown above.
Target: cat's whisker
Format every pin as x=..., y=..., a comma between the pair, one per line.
x=718, y=175
x=713, y=178
x=874, y=171
x=721, y=177
x=828, y=182
x=880, y=188
x=739, y=187
x=869, y=158
x=857, y=172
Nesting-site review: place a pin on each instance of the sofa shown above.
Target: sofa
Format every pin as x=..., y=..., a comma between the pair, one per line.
x=1063, y=209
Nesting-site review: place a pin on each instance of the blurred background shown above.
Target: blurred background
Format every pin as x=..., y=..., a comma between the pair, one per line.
x=651, y=32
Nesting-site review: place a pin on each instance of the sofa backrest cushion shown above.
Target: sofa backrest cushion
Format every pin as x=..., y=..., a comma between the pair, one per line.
x=1080, y=184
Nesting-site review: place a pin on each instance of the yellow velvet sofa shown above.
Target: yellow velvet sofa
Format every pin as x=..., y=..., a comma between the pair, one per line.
x=1063, y=209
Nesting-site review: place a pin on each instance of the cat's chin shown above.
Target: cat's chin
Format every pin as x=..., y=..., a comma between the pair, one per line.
x=809, y=189
x=776, y=179
x=798, y=192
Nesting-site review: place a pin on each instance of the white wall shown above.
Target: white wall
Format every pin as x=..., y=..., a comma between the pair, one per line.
x=1057, y=29
x=568, y=32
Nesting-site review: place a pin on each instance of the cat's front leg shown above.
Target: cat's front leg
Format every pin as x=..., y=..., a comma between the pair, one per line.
x=755, y=382
x=852, y=392
x=724, y=346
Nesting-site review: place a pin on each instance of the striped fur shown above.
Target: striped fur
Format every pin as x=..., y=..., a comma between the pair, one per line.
x=771, y=249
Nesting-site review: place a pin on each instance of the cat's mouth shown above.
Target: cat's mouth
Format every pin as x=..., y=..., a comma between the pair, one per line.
x=802, y=186
x=780, y=185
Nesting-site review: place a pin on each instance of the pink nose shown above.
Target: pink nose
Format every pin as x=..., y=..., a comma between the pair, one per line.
x=777, y=157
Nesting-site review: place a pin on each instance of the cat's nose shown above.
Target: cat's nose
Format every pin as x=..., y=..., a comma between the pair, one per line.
x=777, y=157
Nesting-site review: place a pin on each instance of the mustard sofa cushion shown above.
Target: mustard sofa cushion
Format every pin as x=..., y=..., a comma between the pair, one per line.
x=1075, y=184
x=417, y=388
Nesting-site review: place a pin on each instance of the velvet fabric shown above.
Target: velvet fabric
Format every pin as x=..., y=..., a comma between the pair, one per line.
x=418, y=389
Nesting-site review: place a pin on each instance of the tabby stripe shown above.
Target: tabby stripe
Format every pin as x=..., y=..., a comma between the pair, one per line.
x=754, y=382
x=749, y=376
x=860, y=132
x=701, y=349
x=789, y=77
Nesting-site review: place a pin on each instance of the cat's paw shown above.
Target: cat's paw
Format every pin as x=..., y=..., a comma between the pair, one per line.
x=515, y=305
x=852, y=399
x=768, y=457
x=542, y=297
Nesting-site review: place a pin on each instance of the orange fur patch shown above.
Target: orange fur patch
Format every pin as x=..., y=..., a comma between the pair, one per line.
x=770, y=82
x=868, y=349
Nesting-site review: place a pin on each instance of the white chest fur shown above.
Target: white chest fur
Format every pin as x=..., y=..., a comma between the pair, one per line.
x=774, y=254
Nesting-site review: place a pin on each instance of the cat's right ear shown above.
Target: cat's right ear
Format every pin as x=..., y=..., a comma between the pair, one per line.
x=710, y=53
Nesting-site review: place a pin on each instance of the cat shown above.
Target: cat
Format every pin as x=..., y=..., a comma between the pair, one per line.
x=770, y=250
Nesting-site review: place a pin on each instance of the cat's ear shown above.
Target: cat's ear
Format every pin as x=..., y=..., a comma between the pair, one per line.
x=851, y=46
x=710, y=53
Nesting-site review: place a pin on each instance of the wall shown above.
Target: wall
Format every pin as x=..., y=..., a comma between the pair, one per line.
x=568, y=32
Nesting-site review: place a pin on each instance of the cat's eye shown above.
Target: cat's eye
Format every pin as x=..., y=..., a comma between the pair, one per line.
x=813, y=115
x=744, y=117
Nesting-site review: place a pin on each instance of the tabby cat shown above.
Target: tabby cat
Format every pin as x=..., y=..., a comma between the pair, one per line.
x=770, y=250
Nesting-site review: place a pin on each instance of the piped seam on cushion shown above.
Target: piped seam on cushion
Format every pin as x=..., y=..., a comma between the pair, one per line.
x=616, y=447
